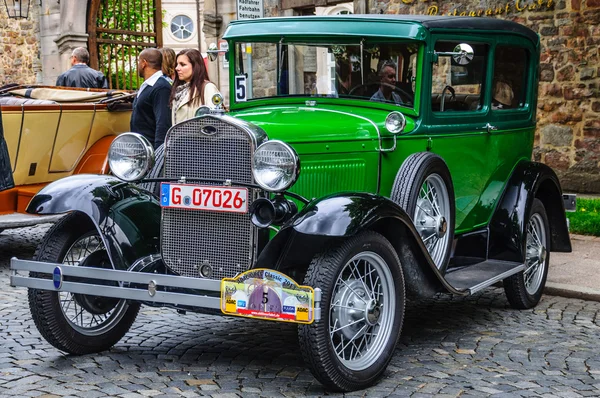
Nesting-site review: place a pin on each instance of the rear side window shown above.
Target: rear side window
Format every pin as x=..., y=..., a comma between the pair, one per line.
x=458, y=87
x=509, y=86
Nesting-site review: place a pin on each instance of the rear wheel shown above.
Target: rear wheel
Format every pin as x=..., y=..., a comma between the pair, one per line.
x=78, y=323
x=362, y=310
x=524, y=290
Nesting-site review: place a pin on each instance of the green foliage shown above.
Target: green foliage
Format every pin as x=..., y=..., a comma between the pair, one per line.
x=586, y=220
x=118, y=58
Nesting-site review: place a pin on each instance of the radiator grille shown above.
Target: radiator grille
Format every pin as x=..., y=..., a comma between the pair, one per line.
x=191, y=238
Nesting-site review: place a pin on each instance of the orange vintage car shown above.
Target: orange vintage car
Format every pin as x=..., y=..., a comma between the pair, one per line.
x=47, y=133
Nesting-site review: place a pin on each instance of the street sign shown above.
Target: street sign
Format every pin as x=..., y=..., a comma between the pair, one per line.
x=250, y=9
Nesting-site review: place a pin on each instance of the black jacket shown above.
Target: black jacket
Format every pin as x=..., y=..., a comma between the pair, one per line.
x=82, y=76
x=151, y=115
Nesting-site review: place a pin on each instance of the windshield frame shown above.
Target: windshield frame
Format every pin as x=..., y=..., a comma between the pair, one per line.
x=236, y=54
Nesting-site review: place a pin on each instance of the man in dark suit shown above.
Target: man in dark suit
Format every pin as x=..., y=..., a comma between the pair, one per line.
x=151, y=115
x=80, y=74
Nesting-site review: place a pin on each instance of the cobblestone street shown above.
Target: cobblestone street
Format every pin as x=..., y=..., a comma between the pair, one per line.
x=450, y=347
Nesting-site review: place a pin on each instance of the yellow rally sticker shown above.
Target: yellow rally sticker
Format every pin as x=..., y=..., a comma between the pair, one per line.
x=302, y=314
x=267, y=294
x=230, y=305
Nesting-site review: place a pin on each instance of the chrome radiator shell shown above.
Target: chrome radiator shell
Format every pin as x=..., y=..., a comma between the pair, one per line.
x=212, y=147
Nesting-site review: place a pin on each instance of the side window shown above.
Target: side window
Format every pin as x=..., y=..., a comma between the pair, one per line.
x=457, y=87
x=510, y=78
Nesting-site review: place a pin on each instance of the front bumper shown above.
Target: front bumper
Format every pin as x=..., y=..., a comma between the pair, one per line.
x=128, y=285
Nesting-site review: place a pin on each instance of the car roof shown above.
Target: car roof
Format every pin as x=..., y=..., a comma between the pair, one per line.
x=410, y=26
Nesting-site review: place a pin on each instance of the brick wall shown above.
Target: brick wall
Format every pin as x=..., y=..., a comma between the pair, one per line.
x=568, y=134
x=19, y=49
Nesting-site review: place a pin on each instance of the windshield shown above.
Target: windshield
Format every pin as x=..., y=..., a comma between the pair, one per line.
x=383, y=72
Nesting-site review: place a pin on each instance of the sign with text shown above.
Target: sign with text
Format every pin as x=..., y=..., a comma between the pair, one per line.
x=250, y=9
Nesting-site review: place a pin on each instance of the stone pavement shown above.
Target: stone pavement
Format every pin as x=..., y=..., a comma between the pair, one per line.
x=576, y=274
x=450, y=347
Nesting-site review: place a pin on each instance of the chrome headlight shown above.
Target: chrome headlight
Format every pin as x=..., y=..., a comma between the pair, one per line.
x=130, y=156
x=395, y=122
x=275, y=166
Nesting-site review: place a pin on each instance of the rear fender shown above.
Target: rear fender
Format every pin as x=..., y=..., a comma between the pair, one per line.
x=329, y=220
x=127, y=218
x=528, y=181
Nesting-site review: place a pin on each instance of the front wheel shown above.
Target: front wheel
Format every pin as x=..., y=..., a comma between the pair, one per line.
x=524, y=290
x=362, y=310
x=78, y=323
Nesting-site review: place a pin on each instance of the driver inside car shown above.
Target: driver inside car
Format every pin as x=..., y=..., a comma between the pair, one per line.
x=387, y=79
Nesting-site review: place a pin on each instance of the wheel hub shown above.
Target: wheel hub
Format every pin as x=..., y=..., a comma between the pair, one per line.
x=373, y=312
x=354, y=305
x=441, y=226
x=542, y=254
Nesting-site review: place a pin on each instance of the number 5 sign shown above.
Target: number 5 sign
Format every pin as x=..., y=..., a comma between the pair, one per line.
x=240, y=88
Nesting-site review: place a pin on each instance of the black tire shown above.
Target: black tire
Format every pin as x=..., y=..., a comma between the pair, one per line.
x=156, y=171
x=414, y=172
x=524, y=290
x=50, y=316
x=318, y=346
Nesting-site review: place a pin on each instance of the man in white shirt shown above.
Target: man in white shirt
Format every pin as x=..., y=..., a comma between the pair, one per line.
x=151, y=115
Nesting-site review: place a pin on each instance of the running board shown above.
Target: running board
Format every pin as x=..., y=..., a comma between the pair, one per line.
x=481, y=275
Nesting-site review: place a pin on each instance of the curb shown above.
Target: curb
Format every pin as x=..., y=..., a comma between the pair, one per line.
x=572, y=291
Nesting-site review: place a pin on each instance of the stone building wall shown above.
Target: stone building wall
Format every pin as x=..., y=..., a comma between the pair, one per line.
x=568, y=134
x=19, y=49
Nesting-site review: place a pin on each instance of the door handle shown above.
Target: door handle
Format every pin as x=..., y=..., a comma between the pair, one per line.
x=490, y=128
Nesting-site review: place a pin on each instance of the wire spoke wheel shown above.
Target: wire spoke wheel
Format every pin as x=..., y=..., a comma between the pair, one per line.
x=73, y=322
x=362, y=306
x=423, y=188
x=524, y=289
x=536, y=254
x=431, y=216
x=89, y=315
x=361, y=311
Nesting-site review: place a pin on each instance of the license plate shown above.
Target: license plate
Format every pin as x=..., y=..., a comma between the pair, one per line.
x=198, y=197
x=267, y=294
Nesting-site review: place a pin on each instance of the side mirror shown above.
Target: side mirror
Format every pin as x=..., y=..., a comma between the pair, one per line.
x=462, y=55
x=213, y=52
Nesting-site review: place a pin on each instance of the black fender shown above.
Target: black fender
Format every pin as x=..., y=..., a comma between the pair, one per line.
x=127, y=217
x=327, y=220
x=528, y=181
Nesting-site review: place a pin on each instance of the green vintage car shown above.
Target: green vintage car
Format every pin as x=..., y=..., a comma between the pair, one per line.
x=365, y=159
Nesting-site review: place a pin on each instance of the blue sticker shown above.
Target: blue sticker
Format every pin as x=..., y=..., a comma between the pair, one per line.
x=187, y=200
x=57, y=278
x=165, y=194
x=289, y=308
x=241, y=303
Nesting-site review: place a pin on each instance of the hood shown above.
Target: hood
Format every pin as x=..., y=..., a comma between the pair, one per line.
x=313, y=124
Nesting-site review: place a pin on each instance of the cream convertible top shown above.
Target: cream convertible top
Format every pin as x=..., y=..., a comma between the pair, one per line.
x=45, y=95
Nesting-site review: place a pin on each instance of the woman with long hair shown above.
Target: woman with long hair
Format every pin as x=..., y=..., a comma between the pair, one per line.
x=191, y=88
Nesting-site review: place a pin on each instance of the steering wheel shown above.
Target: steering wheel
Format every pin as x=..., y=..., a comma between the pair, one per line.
x=406, y=98
x=452, y=96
